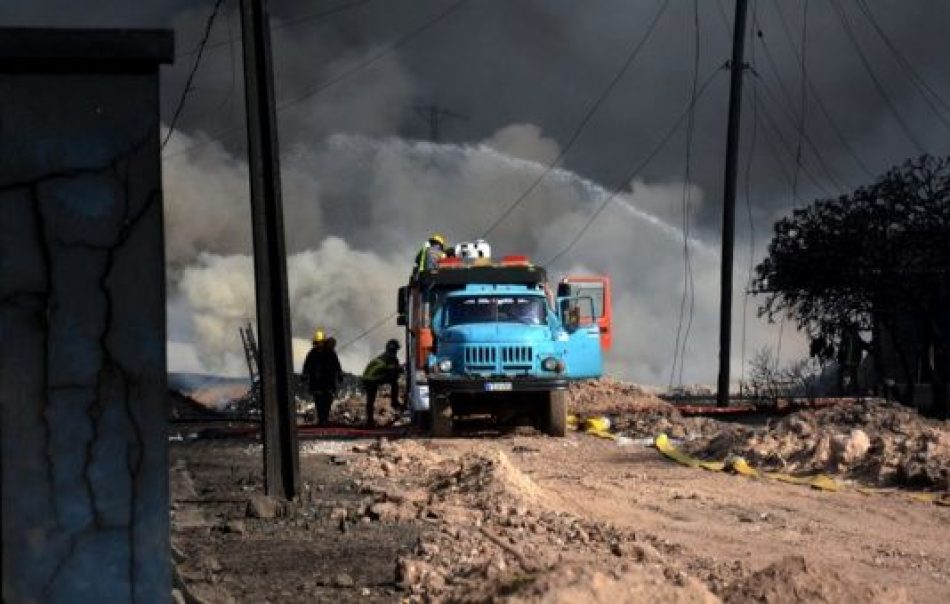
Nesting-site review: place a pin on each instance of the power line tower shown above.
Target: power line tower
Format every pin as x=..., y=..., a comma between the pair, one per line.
x=434, y=115
x=737, y=66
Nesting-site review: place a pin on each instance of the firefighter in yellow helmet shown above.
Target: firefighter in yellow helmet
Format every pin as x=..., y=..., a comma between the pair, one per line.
x=382, y=370
x=323, y=372
x=435, y=248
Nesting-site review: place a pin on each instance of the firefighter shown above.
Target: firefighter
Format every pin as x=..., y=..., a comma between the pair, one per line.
x=323, y=373
x=384, y=369
x=430, y=254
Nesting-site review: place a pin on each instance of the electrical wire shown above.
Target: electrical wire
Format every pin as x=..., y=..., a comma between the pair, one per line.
x=770, y=122
x=631, y=57
x=788, y=108
x=346, y=73
x=804, y=98
x=815, y=93
x=679, y=347
x=286, y=24
x=209, y=25
x=368, y=331
x=926, y=90
x=825, y=165
x=747, y=180
x=624, y=182
x=846, y=25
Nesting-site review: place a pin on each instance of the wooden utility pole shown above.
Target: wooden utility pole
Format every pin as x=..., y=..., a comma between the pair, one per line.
x=729, y=202
x=281, y=460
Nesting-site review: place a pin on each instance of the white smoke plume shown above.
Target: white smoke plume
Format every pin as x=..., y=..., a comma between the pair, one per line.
x=357, y=209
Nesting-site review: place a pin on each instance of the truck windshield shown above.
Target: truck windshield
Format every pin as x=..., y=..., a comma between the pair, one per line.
x=528, y=310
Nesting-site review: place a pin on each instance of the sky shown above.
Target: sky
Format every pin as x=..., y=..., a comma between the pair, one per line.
x=363, y=185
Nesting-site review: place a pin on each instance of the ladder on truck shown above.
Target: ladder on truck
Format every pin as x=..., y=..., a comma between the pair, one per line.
x=252, y=355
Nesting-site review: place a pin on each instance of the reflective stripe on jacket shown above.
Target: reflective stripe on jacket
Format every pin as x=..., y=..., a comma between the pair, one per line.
x=383, y=368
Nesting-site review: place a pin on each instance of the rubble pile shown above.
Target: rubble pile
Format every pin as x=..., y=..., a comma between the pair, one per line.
x=635, y=411
x=608, y=396
x=875, y=441
x=492, y=534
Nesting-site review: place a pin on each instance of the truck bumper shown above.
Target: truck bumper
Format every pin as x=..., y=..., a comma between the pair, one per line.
x=489, y=386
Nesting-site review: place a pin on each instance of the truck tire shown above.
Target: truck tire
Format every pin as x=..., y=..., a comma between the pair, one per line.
x=554, y=417
x=441, y=416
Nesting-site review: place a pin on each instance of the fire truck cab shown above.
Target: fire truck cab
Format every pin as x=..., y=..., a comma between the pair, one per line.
x=488, y=338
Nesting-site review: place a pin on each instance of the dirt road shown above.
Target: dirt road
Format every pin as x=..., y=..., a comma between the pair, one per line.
x=534, y=518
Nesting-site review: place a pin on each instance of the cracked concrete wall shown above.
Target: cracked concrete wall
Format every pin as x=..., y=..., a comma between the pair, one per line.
x=82, y=338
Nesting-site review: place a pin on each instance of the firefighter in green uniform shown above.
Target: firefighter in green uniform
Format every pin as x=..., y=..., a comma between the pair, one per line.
x=384, y=369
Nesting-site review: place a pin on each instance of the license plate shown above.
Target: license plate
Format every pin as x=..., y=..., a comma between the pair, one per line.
x=498, y=386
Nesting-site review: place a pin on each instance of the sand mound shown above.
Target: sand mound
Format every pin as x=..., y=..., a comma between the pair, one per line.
x=875, y=441
x=493, y=476
x=793, y=579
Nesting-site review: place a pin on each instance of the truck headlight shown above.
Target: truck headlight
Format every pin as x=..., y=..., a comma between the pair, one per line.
x=444, y=366
x=552, y=364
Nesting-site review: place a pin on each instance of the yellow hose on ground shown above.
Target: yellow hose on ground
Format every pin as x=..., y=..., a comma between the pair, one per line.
x=739, y=465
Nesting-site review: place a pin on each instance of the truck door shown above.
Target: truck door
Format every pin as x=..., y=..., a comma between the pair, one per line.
x=597, y=288
x=583, y=355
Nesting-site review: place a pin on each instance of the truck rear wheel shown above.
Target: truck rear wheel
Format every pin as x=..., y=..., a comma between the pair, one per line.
x=441, y=418
x=554, y=417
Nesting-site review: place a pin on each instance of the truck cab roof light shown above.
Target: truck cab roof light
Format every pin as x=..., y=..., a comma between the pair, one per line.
x=514, y=260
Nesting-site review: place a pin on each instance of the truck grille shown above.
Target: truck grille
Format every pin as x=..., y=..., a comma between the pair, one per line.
x=517, y=357
x=486, y=358
x=480, y=357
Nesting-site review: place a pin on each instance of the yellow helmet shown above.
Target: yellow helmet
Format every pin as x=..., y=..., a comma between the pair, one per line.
x=437, y=238
x=318, y=336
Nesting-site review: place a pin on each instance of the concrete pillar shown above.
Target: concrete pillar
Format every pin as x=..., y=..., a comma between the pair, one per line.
x=83, y=449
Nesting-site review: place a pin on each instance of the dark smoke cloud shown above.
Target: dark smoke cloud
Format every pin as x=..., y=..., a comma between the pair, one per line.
x=523, y=73
x=543, y=61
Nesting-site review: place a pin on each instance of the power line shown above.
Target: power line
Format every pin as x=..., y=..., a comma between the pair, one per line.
x=287, y=24
x=679, y=347
x=925, y=89
x=789, y=110
x=368, y=331
x=631, y=57
x=823, y=163
x=801, y=112
x=577, y=131
x=633, y=173
x=769, y=121
x=846, y=25
x=346, y=73
x=815, y=93
x=750, y=157
x=209, y=24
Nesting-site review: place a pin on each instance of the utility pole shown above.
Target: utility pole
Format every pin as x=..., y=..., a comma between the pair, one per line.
x=281, y=460
x=729, y=202
x=434, y=114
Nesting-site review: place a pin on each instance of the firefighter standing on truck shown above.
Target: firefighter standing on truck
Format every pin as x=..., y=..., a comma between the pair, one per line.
x=323, y=372
x=430, y=254
x=384, y=369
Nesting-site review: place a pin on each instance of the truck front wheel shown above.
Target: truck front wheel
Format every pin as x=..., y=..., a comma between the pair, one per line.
x=441, y=420
x=554, y=417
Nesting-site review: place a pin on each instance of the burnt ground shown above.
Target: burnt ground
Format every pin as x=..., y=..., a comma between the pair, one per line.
x=305, y=554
